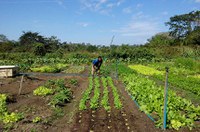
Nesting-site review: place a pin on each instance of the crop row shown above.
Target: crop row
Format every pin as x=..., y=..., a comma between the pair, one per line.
x=95, y=101
x=174, y=79
x=105, y=99
x=117, y=101
x=86, y=95
x=75, y=69
x=50, y=68
x=181, y=112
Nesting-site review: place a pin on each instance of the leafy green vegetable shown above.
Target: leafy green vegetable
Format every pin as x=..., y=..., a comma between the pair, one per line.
x=105, y=99
x=37, y=119
x=117, y=101
x=94, y=104
x=181, y=112
x=43, y=91
x=86, y=94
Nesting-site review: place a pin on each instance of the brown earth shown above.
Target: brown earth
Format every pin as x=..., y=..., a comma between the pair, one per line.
x=33, y=106
x=128, y=119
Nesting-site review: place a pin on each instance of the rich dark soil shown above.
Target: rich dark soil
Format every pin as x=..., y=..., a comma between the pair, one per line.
x=127, y=119
x=33, y=106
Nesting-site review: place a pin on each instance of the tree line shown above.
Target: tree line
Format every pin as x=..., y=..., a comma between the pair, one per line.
x=184, y=29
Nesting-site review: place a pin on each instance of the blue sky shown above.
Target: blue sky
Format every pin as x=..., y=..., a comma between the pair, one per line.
x=91, y=21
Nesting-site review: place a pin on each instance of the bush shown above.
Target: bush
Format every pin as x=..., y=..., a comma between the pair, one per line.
x=188, y=63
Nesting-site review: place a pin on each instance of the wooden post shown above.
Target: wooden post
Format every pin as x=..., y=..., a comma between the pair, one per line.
x=165, y=100
x=20, y=87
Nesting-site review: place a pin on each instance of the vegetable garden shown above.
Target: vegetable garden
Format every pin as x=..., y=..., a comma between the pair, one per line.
x=126, y=97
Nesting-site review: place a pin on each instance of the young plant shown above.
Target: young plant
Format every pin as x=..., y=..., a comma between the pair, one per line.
x=94, y=102
x=86, y=94
x=105, y=98
x=42, y=91
x=117, y=102
x=181, y=112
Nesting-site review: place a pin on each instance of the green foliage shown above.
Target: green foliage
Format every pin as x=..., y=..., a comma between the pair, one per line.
x=132, y=52
x=181, y=25
x=5, y=116
x=39, y=49
x=105, y=98
x=117, y=101
x=146, y=70
x=37, y=119
x=162, y=39
x=75, y=69
x=28, y=38
x=43, y=91
x=50, y=68
x=62, y=93
x=74, y=82
x=177, y=77
x=188, y=63
x=94, y=103
x=6, y=46
x=86, y=94
x=181, y=112
x=3, y=38
x=58, y=112
x=193, y=38
x=12, y=118
x=63, y=96
x=123, y=69
x=3, y=107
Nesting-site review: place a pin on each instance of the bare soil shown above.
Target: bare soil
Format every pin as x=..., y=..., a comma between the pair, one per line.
x=33, y=106
x=127, y=119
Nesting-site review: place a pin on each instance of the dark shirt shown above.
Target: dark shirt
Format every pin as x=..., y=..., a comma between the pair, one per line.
x=96, y=63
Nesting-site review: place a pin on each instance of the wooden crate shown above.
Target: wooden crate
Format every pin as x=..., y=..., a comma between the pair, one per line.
x=8, y=71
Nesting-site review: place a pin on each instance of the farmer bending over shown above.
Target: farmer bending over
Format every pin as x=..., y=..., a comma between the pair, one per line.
x=96, y=64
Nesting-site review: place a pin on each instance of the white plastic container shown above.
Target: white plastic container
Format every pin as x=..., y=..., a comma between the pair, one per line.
x=8, y=71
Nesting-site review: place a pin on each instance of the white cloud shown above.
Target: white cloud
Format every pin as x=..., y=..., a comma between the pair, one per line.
x=141, y=27
x=127, y=10
x=139, y=5
x=197, y=1
x=100, y=6
x=110, y=5
x=119, y=2
x=164, y=13
x=61, y=3
x=83, y=24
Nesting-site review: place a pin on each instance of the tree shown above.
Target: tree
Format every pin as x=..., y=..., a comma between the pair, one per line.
x=6, y=46
x=39, y=49
x=161, y=39
x=29, y=38
x=182, y=25
x=52, y=44
x=193, y=37
x=3, y=38
x=91, y=48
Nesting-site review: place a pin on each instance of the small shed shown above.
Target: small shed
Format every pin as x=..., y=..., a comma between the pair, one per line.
x=8, y=71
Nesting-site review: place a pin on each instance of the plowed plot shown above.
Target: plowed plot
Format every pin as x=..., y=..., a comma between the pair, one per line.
x=36, y=106
x=127, y=118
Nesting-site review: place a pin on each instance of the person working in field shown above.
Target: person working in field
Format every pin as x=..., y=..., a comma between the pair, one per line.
x=96, y=64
